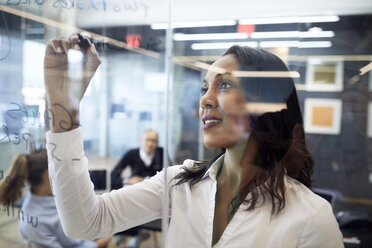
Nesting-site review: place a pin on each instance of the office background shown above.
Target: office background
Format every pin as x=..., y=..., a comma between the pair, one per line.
x=328, y=43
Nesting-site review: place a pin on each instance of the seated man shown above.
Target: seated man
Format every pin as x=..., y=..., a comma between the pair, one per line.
x=144, y=161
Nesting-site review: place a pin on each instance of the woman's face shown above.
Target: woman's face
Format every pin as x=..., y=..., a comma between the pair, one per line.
x=221, y=91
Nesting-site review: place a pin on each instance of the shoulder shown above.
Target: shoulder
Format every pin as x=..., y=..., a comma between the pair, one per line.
x=303, y=195
x=132, y=152
x=174, y=170
x=189, y=163
x=319, y=224
x=159, y=152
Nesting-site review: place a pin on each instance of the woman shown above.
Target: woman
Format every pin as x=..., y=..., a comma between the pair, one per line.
x=253, y=195
x=39, y=223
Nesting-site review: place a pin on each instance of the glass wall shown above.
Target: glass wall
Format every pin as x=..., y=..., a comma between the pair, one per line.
x=328, y=48
x=332, y=57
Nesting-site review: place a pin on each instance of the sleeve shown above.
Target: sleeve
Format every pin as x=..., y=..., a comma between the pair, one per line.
x=84, y=214
x=321, y=230
x=65, y=241
x=116, y=180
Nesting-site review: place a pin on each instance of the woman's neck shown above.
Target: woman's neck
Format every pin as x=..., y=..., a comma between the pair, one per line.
x=41, y=191
x=241, y=154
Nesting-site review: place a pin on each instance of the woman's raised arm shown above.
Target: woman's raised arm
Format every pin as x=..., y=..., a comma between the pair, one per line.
x=84, y=214
x=65, y=88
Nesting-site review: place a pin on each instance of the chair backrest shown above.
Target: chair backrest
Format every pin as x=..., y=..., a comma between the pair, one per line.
x=330, y=196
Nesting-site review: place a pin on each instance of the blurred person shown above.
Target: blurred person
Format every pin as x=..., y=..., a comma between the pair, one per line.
x=255, y=194
x=39, y=222
x=144, y=161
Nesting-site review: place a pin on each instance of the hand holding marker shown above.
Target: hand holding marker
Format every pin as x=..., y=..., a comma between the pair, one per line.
x=84, y=42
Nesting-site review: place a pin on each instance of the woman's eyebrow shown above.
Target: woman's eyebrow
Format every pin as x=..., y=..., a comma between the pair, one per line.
x=223, y=74
x=217, y=76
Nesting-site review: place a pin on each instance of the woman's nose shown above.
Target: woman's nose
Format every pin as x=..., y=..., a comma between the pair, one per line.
x=209, y=100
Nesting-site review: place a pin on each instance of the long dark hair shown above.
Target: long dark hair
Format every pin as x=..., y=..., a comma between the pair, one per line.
x=280, y=136
x=25, y=168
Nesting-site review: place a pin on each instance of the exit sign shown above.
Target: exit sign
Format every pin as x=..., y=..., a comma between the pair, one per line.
x=133, y=40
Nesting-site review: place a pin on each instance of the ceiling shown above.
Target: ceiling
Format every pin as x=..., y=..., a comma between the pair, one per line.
x=139, y=12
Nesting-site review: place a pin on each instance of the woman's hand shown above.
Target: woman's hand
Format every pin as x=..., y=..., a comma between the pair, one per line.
x=66, y=81
x=103, y=242
x=134, y=179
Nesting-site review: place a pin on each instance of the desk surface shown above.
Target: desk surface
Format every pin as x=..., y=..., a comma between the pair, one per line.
x=98, y=163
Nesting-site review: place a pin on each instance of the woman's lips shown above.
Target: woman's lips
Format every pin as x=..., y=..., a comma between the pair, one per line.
x=210, y=121
x=209, y=125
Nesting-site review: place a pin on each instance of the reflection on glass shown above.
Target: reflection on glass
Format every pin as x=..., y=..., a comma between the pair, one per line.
x=328, y=57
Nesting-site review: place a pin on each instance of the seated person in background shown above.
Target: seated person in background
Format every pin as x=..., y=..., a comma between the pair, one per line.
x=39, y=222
x=144, y=161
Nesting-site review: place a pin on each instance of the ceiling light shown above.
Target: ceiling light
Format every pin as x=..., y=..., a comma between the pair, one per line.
x=293, y=19
x=254, y=35
x=221, y=45
x=210, y=36
x=281, y=34
x=299, y=44
x=261, y=107
x=266, y=74
x=314, y=44
x=194, y=24
x=262, y=44
x=317, y=34
x=292, y=34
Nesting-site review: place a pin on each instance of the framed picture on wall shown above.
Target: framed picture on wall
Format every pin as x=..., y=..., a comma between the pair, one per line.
x=323, y=116
x=324, y=75
x=369, y=120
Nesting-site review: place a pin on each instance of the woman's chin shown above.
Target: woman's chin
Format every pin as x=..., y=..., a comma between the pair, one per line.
x=210, y=144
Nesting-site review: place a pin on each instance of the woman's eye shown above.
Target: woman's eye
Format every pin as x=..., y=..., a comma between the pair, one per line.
x=225, y=85
x=203, y=90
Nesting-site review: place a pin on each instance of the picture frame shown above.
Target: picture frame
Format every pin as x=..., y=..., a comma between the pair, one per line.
x=322, y=116
x=324, y=75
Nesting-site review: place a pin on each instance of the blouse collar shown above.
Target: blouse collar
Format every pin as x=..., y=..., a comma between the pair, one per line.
x=214, y=166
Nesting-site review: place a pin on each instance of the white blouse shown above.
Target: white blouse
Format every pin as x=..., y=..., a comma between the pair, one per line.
x=306, y=221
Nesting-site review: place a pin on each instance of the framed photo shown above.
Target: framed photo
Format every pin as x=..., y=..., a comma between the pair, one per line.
x=369, y=120
x=324, y=75
x=323, y=116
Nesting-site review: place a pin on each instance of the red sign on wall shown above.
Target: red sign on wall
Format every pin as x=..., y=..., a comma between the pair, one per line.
x=133, y=40
x=249, y=29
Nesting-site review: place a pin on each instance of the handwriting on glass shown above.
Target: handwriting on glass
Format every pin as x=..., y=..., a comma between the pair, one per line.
x=8, y=206
x=19, y=112
x=34, y=119
x=9, y=179
x=16, y=138
x=9, y=209
x=96, y=5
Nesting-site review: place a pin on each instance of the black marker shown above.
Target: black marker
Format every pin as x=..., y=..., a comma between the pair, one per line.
x=83, y=42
